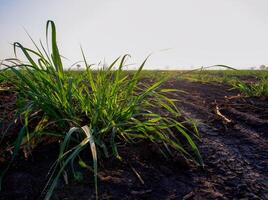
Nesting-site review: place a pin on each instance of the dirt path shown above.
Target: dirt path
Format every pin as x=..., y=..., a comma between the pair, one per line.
x=234, y=148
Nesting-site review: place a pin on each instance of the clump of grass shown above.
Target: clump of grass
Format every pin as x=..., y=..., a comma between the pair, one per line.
x=257, y=89
x=92, y=111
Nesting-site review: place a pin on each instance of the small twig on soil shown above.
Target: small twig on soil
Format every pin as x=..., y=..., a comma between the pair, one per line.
x=137, y=174
x=4, y=89
x=239, y=96
x=221, y=115
x=189, y=195
x=140, y=192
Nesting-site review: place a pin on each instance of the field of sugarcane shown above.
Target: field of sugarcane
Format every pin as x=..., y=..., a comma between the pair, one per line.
x=102, y=132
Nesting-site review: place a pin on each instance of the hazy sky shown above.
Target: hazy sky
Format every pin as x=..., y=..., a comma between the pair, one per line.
x=179, y=33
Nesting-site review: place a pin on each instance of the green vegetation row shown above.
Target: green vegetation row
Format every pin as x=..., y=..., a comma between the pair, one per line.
x=91, y=111
x=248, y=82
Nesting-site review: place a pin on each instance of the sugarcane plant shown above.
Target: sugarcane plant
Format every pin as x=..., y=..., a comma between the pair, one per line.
x=93, y=111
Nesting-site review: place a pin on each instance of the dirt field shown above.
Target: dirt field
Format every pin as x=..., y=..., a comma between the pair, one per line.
x=234, y=147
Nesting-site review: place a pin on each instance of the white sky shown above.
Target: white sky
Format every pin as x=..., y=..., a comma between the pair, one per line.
x=180, y=33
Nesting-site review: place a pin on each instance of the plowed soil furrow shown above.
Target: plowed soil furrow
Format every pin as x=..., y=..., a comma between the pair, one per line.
x=236, y=154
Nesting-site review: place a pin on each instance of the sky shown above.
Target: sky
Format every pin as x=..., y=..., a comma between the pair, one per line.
x=180, y=34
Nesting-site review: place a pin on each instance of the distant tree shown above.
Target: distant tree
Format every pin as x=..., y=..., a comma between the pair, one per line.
x=78, y=66
x=262, y=67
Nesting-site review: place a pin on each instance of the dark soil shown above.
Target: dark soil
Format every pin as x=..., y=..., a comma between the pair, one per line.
x=234, y=146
